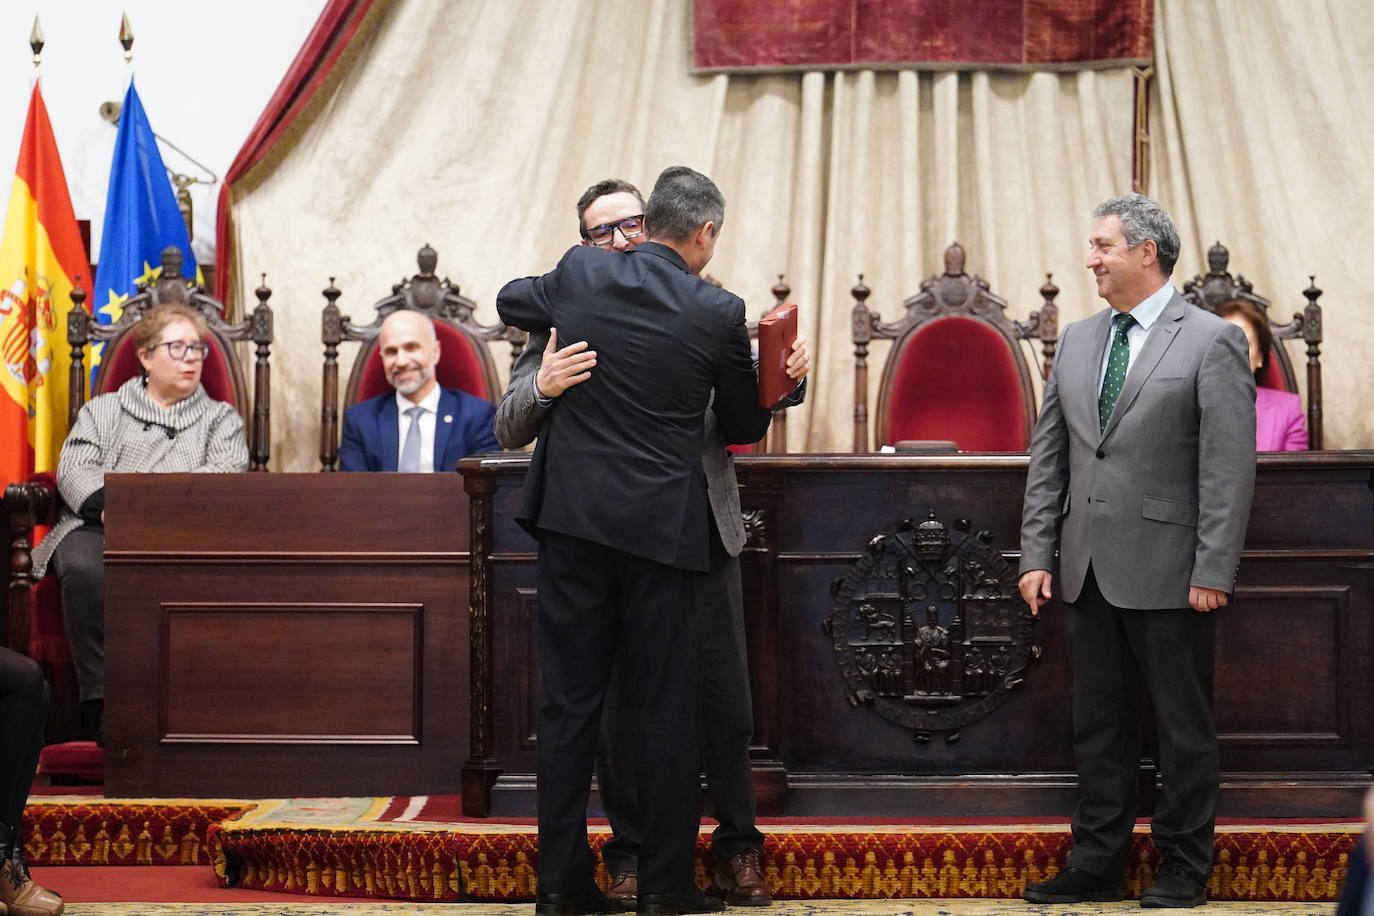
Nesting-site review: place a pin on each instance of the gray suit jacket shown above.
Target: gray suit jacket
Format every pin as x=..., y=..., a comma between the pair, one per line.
x=1159, y=500
x=519, y=416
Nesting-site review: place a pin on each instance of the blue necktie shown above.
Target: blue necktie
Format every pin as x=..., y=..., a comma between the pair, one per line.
x=1118, y=361
x=410, y=451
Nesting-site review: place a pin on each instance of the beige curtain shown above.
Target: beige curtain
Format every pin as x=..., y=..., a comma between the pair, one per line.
x=1263, y=140
x=474, y=126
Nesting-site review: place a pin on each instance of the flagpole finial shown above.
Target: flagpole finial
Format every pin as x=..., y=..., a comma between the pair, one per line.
x=126, y=38
x=36, y=42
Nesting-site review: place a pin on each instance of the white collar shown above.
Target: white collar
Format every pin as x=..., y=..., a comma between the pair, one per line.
x=430, y=402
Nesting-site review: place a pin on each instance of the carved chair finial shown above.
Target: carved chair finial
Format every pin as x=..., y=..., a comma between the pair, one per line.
x=1049, y=290
x=954, y=260
x=860, y=292
x=1217, y=258
x=427, y=259
x=171, y=262
x=781, y=290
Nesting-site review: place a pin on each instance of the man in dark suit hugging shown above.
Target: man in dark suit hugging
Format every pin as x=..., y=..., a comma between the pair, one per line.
x=617, y=498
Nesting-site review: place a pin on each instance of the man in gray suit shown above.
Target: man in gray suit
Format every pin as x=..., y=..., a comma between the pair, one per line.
x=611, y=215
x=1142, y=468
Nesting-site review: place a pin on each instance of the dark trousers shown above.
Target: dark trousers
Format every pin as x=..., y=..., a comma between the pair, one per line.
x=23, y=712
x=1357, y=894
x=727, y=727
x=596, y=603
x=1119, y=654
x=79, y=562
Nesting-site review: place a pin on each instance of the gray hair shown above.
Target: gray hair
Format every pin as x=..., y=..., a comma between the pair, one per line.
x=1141, y=219
x=681, y=203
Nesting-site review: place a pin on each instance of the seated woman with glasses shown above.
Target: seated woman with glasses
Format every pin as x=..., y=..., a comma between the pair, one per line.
x=159, y=422
x=1280, y=425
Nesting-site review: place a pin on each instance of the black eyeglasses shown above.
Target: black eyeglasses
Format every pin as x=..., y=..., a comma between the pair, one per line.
x=179, y=349
x=601, y=236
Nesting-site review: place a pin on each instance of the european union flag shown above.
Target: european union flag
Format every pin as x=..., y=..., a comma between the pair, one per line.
x=141, y=217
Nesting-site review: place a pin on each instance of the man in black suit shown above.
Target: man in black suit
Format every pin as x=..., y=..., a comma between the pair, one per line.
x=617, y=498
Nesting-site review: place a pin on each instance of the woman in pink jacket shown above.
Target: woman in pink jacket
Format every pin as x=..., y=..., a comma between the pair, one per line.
x=1280, y=425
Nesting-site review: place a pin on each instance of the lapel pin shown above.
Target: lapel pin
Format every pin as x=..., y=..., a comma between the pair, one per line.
x=448, y=418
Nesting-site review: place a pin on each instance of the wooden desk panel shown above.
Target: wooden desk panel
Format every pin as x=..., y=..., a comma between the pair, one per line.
x=285, y=634
x=1295, y=656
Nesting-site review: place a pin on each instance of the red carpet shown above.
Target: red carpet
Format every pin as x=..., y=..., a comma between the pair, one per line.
x=149, y=883
x=422, y=849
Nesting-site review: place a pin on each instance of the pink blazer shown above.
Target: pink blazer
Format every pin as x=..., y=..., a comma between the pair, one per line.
x=1279, y=422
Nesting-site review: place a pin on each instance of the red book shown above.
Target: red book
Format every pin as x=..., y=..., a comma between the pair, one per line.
x=777, y=330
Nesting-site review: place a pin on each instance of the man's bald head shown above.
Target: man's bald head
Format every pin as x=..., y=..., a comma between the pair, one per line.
x=410, y=351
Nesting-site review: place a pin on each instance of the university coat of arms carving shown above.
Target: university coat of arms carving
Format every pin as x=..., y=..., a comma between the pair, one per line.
x=929, y=628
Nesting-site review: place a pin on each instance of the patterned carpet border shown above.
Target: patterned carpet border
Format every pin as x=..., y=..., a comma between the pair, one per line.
x=82, y=830
x=465, y=862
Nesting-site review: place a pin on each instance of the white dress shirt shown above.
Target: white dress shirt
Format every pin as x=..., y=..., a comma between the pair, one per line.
x=1145, y=315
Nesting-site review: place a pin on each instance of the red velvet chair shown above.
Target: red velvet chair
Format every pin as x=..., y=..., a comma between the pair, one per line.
x=466, y=362
x=35, y=611
x=1217, y=287
x=956, y=372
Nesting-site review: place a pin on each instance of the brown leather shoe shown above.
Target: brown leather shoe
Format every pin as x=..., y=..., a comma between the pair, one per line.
x=22, y=895
x=741, y=877
x=625, y=889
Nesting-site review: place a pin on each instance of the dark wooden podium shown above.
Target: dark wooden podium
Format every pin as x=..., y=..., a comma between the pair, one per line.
x=1295, y=663
x=285, y=634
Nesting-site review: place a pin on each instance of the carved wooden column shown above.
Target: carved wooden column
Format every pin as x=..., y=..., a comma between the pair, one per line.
x=1312, y=334
x=331, y=332
x=261, y=334
x=777, y=431
x=1044, y=325
x=861, y=324
x=27, y=503
x=78, y=332
x=761, y=497
x=481, y=768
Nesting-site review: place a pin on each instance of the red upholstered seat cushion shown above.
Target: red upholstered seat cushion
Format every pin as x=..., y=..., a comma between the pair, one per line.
x=1273, y=373
x=214, y=375
x=79, y=759
x=459, y=366
x=957, y=379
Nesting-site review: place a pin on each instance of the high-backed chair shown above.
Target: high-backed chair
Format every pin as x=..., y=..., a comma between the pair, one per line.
x=956, y=372
x=466, y=362
x=34, y=623
x=1217, y=287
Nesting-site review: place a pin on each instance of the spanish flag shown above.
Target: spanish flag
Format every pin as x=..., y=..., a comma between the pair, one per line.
x=41, y=261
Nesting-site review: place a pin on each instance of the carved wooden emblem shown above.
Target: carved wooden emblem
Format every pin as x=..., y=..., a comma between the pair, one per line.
x=929, y=628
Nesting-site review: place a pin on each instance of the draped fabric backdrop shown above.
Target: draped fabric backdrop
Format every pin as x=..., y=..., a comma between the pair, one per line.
x=474, y=127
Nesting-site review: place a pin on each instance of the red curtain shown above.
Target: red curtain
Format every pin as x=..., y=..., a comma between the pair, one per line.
x=824, y=34
x=335, y=28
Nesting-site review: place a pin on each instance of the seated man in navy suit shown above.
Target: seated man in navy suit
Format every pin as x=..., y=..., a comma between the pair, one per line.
x=421, y=427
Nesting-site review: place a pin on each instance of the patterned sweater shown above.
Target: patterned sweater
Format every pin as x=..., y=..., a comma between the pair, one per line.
x=125, y=431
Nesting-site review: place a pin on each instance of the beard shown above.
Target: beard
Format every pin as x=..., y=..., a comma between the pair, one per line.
x=413, y=383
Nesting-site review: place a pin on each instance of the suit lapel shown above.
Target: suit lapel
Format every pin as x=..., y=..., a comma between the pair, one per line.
x=1156, y=344
x=388, y=432
x=443, y=425
x=1098, y=331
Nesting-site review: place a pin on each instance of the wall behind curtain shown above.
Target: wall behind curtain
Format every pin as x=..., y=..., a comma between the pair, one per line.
x=474, y=126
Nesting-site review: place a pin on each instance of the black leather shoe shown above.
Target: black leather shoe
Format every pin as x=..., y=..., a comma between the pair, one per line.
x=1073, y=885
x=673, y=904
x=1174, y=887
x=574, y=904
